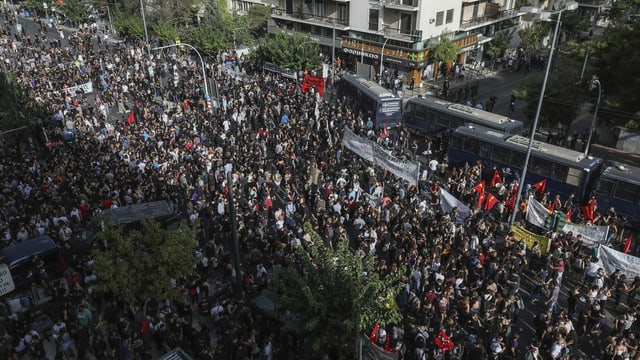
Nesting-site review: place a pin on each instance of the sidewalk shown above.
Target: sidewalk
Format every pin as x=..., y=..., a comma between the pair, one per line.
x=434, y=88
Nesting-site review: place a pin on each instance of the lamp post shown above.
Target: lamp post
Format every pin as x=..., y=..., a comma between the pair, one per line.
x=594, y=83
x=382, y=60
x=333, y=53
x=532, y=135
x=144, y=24
x=204, y=73
x=110, y=22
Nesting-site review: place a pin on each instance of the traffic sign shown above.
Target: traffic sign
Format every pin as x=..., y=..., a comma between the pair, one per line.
x=6, y=281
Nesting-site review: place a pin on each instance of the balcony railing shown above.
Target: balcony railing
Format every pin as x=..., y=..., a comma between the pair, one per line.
x=480, y=20
x=401, y=3
x=402, y=35
x=310, y=18
x=593, y=2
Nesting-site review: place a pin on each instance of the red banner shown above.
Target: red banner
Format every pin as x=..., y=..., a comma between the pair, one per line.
x=311, y=81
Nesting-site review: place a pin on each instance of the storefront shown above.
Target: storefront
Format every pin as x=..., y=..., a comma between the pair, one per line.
x=407, y=62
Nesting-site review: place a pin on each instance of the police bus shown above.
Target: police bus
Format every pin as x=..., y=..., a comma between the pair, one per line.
x=566, y=171
x=374, y=101
x=618, y=186
x=428, y=115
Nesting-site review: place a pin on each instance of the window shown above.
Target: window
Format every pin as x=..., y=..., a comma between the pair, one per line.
x=500, y=155
x=604, y=187
x=449, y=16
x=471, y=146
x=439, y=18
x=626, y=191
x=373, y=19
x=343, y=13
x=318, y=9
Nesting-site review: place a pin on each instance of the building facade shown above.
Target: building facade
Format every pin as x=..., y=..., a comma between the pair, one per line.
x=397, y=33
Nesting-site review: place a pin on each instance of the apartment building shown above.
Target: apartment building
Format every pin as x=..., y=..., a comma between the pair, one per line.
x=397, y=32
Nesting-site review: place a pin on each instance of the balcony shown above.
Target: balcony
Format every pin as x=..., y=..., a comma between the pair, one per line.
x=401, y=35
x=406, y=5
x=310, y=19
x=488, y=19
x=593, y=3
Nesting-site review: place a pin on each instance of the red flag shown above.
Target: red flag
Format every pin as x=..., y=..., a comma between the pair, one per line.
x=373, y=338
x=568, y=216
x=479, y=187
x=627, y=245
x=309, y=81
x=587, y=212
x=131, y=118
x=491, y=202
x=443, y=341
x=540, y=185
x=496, y=178
x=481, y=198
x=552, y=206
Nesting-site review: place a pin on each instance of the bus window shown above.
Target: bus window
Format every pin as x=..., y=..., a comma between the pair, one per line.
x=604, y=187
x=516, y=159
x=541, y=167
x=560, y=172
x=500, y=155
x=484, y=150
x=626, y=191
x=471, y=146
x=456, y=142
x=574, y=176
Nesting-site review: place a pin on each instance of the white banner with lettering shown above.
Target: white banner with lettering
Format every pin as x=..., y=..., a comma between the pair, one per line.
x=360, y=146
x=448, y=202
x=404, y=169
x=611, y=260
x=591, y=235
x=370, y=151
x=536, y=212
x=86, y=88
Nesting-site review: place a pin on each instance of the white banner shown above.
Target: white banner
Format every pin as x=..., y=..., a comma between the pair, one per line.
x=448, y=202
x=591, y=235
x=404, y=169
x=86, y=88
x=360, y=146
x=611, y=260
x=536, y=212
x=372, y=152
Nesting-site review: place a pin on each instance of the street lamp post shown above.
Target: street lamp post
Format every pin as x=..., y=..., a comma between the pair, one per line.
x=144, y=24
x=204, y=73
x=382, y=60
x=594, y=83
x=532, y=135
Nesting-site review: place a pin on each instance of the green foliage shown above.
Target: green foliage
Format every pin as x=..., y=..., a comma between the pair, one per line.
x=295, y=52
x=443, y=51
x=168, y=33
x=499, y=44
x=616, y=62
x=207, y=39
x=532, y=36
x=127, y=23
x=337, y=295
x=141, y=264
x=75, y=10
x=562, y=96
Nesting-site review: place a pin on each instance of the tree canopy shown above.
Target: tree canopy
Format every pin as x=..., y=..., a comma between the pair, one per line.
x=444, y=50
x=142, y=264
x=334, y=295
x=295, y=52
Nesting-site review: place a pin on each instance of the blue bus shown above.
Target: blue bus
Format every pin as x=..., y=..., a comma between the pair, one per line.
x=566, y=171
x=373, y=100
x=428, y=115
x=619, y=187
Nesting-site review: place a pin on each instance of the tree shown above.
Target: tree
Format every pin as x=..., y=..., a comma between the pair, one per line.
x=531, y=37
x=335, y=295
x=75, y=10
x=444, y=51
x=141, y=264
x=499, y=44
x=295, y=52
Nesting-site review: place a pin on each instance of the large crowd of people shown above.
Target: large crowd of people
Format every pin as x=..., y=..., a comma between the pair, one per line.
x=146, y=133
